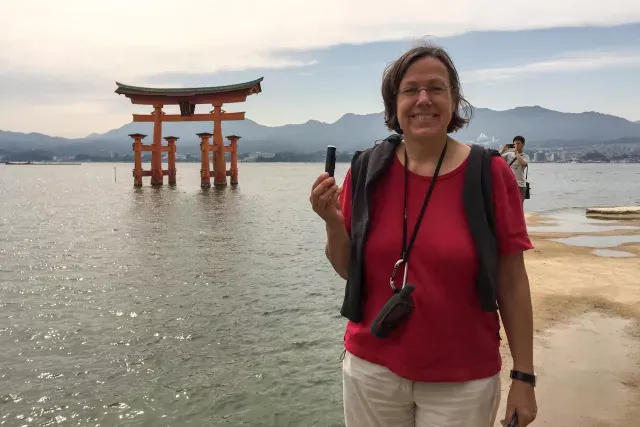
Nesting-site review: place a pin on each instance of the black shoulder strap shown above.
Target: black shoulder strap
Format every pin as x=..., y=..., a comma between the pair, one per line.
x=359, y=165
x=360, y=162
x=478, y=205
x=478, y=171
x=487, y=187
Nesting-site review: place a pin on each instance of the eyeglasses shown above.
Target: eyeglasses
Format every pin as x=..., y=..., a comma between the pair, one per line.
x=432, y=90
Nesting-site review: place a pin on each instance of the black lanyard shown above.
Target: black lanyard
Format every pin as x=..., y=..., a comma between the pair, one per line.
x=404, y=256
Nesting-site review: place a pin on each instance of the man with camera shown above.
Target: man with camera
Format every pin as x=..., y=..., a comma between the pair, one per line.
x=518, y=162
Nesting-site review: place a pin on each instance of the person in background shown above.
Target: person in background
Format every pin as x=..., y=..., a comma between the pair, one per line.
x=441, y=367
x=518, y=161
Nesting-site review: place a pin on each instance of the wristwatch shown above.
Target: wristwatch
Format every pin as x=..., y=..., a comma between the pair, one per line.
x=522, y=376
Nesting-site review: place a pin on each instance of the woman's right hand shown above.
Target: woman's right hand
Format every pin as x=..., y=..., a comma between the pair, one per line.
x=324, y=200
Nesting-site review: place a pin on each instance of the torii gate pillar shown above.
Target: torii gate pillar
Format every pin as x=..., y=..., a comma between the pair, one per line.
x=137, y=156
x=205, y=172
x=234, y=158
x=220, y=177
x=171, y=158
x=156, y=153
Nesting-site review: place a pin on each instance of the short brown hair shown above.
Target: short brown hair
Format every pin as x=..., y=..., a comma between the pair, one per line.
x=394, y=73
x=518, y=138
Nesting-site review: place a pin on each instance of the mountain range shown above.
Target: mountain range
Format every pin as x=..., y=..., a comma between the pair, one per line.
x=540, y=126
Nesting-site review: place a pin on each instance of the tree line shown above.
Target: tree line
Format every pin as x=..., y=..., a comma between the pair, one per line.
x=293, y=157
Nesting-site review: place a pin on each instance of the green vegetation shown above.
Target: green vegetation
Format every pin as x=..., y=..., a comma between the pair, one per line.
x=318, y=156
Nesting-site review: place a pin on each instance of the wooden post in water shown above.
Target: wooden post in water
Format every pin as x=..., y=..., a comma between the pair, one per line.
x=205, y=174
x=220, y=177
x=137, y=155
x=171, y=158
x=156, y=154
x=234, y=158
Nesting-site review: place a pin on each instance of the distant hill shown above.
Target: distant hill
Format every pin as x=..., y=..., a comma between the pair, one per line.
x=540, y=126
x=350, y=131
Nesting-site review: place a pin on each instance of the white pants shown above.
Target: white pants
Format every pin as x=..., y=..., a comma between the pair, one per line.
x=376, y=397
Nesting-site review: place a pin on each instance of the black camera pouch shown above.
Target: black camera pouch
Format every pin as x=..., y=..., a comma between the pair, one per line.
x=394, y=313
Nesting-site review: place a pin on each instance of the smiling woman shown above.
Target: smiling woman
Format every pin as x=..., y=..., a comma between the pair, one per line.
x=425, y=350
x=435, y=73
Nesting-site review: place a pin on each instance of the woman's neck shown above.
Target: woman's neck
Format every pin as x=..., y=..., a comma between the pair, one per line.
x=425, y=151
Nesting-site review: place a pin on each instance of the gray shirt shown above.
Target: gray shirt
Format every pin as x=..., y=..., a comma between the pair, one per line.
x=516, y=167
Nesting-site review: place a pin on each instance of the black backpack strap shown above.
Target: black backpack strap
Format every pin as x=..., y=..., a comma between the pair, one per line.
x=487, y=188
x=366, y=166
x=360, y=161
x=480, y=213
x=479, y=166
x=359, y=166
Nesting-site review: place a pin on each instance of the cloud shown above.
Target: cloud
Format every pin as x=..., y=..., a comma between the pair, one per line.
x=29, y=87
x=570, y=63
x=127, y=40
x=59, y=60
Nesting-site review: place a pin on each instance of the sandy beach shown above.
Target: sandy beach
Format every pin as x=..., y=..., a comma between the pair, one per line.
x=587, y=325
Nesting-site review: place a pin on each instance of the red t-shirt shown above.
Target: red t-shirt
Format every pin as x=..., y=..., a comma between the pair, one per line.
x=447, y=337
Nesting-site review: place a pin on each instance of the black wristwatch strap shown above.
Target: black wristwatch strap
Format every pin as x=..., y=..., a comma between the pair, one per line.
x=522, y=376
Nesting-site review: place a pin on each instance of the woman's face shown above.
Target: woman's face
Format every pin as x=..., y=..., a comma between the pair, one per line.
x=425, y=99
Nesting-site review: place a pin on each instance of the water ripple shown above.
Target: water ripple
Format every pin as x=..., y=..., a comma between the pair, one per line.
x=178, y=306
x=163, y=307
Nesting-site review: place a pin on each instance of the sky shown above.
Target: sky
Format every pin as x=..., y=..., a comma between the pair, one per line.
x=59, y=61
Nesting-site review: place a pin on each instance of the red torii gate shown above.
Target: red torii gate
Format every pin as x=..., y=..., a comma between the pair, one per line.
x=187, y=99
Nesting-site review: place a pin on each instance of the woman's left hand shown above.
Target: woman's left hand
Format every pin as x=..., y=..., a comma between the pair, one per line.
x=521, y=400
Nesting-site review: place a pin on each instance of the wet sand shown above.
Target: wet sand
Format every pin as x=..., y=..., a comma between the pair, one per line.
x=587, y=325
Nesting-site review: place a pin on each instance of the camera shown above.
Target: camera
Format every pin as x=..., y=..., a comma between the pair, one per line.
x=394, y=313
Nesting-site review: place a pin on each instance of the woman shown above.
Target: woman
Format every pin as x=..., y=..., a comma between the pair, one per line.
x=441, y=365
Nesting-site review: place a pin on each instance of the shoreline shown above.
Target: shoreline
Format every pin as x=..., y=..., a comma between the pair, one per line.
x=569, y=286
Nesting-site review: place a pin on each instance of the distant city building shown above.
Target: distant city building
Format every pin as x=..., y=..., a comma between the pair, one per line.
x=483, y=139
x=252, y=157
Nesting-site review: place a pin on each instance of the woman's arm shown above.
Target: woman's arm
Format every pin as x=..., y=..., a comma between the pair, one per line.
x=338, y=248
x=514, y=300
x=514, y=296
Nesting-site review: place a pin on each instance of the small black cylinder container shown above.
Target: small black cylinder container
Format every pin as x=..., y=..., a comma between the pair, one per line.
x=330, y=162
